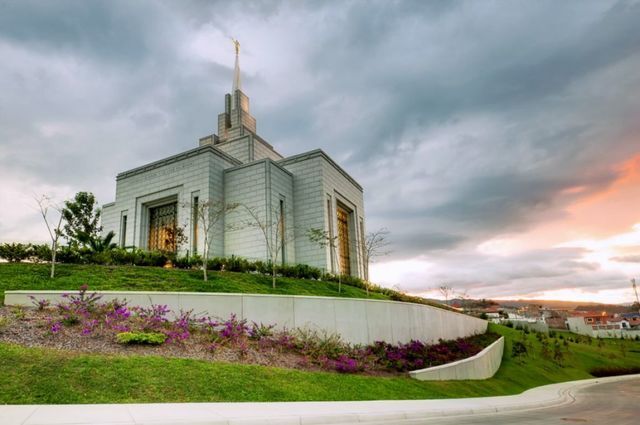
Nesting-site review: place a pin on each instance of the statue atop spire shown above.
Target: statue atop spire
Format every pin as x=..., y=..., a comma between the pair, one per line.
x=236, y=72
x=236, y=43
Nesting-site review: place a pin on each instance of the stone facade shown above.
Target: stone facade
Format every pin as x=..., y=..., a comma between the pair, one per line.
x=237, y=166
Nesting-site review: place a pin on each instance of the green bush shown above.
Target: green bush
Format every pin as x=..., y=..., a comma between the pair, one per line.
x=145, y=338
x=40, y=253
x=236, y=264
x=122, y=256
x=263, y=267
x=603, y=371
x=71, y=255
x=15, y=252
x=215, y=263
x=152, y=258
x=188, y=262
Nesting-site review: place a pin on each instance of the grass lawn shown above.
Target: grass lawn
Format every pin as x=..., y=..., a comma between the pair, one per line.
x=31, y=375
x=135, y=278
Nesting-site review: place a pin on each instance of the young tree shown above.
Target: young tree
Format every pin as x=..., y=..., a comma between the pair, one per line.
x=324, y=239
x=45, y=204
x=207, y=215
x=373, y=245
x=275, y=232
x=175, y=238
x=446, y=291
x=82, y=219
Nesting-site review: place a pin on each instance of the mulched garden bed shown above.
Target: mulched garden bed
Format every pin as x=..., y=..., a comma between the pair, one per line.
x=85, y=324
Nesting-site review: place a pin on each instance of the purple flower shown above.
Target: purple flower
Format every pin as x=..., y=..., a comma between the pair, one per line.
x=346, y=364
x=55, y=328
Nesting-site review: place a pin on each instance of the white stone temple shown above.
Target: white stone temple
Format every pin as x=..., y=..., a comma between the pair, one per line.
x=236, y=166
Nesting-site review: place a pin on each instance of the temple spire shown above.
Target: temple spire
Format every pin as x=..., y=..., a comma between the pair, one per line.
x=236, y=72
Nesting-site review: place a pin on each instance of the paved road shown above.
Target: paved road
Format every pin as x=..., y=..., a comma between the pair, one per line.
x=611, y=403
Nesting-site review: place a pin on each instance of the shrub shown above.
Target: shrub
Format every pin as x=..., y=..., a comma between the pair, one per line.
x=40, y=253
x=236, y=264
x=345, y=364
x=300, y=271
x=39, y=304
x=144, y=338
x=122, y=256
x=318, y=344
x=15, y=252
x=70, y=255
x=263, y=267
x=603, y=371
x=258, y=332
x=152, y=258
x=215, y=263
x=82, y=302
x=152, y=318
x=186, y=262
x=519, y=349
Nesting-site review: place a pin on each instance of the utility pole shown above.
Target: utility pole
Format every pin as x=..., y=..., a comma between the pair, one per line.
x=635, y=289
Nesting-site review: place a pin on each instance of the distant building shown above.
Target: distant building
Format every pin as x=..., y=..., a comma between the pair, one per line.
x=632, y=318
x=601, y=324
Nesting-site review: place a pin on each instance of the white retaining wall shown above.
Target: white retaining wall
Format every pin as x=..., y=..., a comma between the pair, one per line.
x=483, y=365
x=358, y=321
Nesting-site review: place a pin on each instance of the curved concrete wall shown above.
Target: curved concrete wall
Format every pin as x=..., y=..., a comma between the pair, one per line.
x=358, y=321
x=483, y=365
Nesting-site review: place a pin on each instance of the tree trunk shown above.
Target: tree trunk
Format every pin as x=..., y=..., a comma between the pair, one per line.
x=205, y=255
x=54, y=248
x=273, y=276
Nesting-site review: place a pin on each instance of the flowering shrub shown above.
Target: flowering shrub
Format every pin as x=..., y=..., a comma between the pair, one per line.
x=259, y=332
x=40, y=304
x=157, y=325
x=345, y=364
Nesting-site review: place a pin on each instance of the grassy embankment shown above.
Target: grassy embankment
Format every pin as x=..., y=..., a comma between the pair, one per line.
x=31, y=375
x=132, y=278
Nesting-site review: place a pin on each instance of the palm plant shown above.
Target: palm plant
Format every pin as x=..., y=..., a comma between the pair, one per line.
x=102, y=244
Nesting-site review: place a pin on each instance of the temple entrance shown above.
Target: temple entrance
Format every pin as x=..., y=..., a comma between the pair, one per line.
x=343, y=241
x=163, y=222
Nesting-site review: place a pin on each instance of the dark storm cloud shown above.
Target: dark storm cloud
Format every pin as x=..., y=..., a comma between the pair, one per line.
x=462, y=120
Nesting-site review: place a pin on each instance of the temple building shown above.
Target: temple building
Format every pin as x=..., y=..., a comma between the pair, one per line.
x=279, y=199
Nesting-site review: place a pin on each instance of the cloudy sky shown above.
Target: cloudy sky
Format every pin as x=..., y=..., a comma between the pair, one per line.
x=499, y=142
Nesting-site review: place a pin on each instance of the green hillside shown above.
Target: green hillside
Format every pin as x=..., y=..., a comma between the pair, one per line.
x=136, y=278
x=34, y=375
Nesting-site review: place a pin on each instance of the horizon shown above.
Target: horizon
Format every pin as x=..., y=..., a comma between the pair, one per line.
x=498, y=143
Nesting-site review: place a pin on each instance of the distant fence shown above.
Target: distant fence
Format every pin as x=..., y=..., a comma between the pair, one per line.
x=358, y=321
x=483, y=365
x=531, y=326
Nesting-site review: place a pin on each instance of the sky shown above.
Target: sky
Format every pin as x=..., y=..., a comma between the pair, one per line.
x=498, y=142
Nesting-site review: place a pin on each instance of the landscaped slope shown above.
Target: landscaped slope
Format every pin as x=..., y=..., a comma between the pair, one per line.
x=33, y=375
x=134, y=278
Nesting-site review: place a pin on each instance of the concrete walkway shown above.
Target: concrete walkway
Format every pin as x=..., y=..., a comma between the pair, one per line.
x=299, y=413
